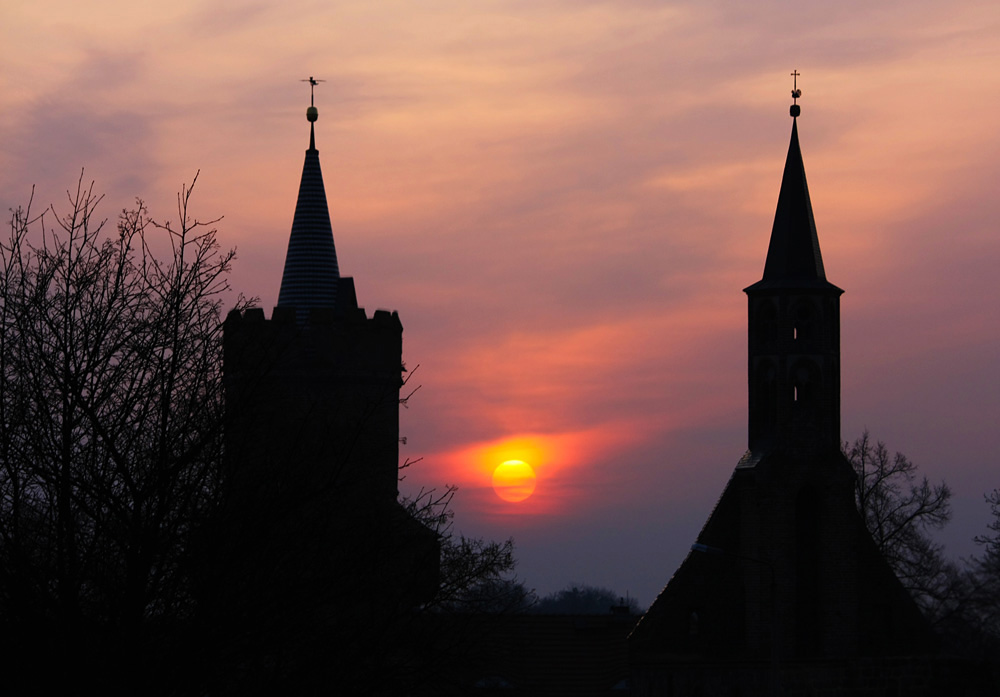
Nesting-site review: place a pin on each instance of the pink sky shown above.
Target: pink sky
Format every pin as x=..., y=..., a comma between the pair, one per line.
x=563, y=199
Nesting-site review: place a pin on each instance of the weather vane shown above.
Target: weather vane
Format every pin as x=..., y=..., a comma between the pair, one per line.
x=312, y=89
x=795, y=109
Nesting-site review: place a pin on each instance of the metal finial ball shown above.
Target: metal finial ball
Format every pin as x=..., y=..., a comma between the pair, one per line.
x=795, y=110
x=312, y=113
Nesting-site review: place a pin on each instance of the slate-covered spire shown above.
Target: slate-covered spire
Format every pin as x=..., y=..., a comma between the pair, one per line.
x=793, y=254
x=311, y=275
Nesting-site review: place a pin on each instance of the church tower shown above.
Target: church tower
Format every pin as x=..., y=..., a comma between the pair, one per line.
x=794, y=329
x=313, y=545
x=783, y=586
x=316, y=387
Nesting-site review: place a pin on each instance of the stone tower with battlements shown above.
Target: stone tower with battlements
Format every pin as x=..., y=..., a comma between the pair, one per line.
x=314, y=544
x=314, y=391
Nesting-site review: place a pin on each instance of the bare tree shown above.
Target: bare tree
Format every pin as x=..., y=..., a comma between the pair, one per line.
x=902, y=511
x=583, y=599
x=477, y=591
x=476, y=575
x=990, y=542
x=984, y=576
x=110, y=432
x=968, y=609
x=114, y=483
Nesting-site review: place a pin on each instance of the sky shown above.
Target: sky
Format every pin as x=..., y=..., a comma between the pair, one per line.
x=563, y=199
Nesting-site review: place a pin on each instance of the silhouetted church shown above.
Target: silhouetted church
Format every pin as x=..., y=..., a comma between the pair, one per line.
x=317, y=385
x=784, y=590
x=318, y=556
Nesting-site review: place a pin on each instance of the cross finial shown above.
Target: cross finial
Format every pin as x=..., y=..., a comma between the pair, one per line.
x=796, y=93
x=312, y=89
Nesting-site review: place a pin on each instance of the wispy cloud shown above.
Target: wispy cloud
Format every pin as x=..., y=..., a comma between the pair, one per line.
x=564, y=199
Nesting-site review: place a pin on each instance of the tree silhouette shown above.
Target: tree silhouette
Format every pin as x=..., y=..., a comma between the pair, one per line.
x=581, y=599
x=988, y=563
x=901, y=512
x=981, y=604
x=130, y=562
x=476, y=575
x=110, y=434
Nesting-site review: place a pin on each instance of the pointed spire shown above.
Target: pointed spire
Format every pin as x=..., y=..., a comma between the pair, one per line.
x=311, y=274
x=793, y=255
x=794, y=250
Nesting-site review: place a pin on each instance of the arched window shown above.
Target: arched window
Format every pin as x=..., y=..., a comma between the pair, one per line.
x=805, y=385
x=767, y=323
x=804, y=322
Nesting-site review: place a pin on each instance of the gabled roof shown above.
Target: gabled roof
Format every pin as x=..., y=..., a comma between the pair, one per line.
x=311, y=274
x=793, y=255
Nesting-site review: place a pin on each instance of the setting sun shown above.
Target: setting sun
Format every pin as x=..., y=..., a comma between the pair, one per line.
x=514, y=480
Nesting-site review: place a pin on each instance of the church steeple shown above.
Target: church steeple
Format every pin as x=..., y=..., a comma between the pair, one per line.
x=784, y=586
x=311, y=276
x=793, y=255
x=794, y=327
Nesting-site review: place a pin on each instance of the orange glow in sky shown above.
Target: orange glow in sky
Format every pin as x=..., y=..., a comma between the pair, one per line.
x=480, y=466
x=562, y=464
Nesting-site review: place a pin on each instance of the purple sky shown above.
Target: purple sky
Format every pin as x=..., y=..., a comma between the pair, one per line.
x=564, y=199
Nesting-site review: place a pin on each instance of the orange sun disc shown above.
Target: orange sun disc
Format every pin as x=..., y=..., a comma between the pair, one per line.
x=514, y=480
